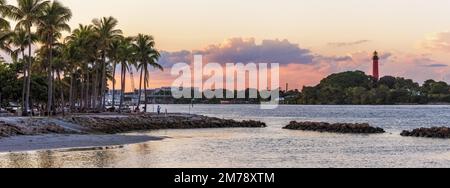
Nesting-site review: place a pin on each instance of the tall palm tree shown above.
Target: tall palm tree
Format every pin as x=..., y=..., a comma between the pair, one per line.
x=126, y=57
x=61, y=66
x=53, y=20
x=20, y=41
x=72, y=59
x=5, y=40
x=4, y=11
x=113, y=56
x=27, y=13
x=147, y=56
x=106, y=33
x=83, y=43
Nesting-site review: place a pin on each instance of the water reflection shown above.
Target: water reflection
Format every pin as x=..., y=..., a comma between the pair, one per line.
x=56, y=159
x=19, y=160
x=272, y=146
x=46, y=159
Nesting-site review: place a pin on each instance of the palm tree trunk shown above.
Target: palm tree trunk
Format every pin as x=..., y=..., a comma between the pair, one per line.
x=82, y=95
x=27, y=97
x=114, y=86
x=94, y=89
x=145, y=91
x=122, y=78
x=63, y=105
x=72, y=75
x=54, y=109
x=87, y=99
x=24, y=87
x=27, y=93
x=140, y=90
x=103, y=86
x=50, y=80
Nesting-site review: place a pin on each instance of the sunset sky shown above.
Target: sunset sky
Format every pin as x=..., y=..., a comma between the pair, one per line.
x=311, y=39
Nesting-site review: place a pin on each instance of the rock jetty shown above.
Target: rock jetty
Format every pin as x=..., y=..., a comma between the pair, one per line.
x=434, y=132
x=30, y=128
x=344, y=128
x=120, y=124
x=114, y=123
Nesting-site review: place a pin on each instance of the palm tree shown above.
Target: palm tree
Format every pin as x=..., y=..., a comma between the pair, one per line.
x=82, y=41
x=126, y=58
x=53, y=20
x=4, y=11
x=27, y=13
x=20, y=40
x=61, y=65
x=113, y=56
x=147, y=56
x=71, y=63
x=106, y=32
x=5, y=40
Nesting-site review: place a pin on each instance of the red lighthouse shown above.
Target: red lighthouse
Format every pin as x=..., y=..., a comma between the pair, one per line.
x=376, y=70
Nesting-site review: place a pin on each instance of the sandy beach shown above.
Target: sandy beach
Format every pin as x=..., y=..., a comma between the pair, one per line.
x=98, y=130
x=53, y=141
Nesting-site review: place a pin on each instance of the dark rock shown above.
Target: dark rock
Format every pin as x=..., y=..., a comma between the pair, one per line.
x=434, y=132
x=7, y=130
x=112, y=124
x=346, y=128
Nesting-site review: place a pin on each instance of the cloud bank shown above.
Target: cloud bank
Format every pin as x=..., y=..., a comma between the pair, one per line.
x=437, y=41
x=239, y=50
x=347, y=44
x=301, y=66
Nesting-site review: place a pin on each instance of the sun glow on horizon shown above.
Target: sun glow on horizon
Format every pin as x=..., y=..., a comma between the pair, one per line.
x=338, y=35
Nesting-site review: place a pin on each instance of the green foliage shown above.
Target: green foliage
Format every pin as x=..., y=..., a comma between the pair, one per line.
x=11, y=83
x=356, y=88
x=10, y=86
x=347, y=80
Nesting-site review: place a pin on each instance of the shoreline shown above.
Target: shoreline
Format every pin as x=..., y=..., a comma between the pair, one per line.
x=22, y=134
x=69, y=142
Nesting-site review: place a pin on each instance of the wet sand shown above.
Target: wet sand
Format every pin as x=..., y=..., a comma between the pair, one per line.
x=98, y=130
x=58, y=141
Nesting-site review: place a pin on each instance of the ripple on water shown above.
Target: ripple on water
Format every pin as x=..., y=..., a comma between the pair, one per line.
x=272, y=146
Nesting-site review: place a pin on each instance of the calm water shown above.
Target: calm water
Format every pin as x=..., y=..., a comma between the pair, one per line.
x=272, y=146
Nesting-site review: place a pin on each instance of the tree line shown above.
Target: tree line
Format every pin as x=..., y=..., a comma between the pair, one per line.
x=52, y=72
x=357, y=88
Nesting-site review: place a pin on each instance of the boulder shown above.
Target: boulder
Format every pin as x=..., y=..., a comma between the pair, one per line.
x=112, y=124
x=434, y=132
x=345, y=128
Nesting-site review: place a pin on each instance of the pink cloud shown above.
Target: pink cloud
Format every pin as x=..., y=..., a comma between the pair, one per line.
x=301, y=67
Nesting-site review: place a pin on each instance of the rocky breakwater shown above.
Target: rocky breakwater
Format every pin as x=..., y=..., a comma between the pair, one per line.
x=434, y=132
x=119, y=124
x=24, y=127
x=344, y=128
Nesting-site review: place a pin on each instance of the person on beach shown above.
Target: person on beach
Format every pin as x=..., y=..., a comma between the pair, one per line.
x=159, y=109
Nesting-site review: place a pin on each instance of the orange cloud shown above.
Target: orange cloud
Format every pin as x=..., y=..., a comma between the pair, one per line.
x=301, y=67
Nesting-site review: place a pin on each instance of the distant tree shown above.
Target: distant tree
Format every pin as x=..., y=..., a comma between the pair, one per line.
x=9, y=84
x=356, y=95
x=347, y=80
x=440, y=88
x=358, y=88
x=147, y=56
x=54, y=19
x=27, y=13
x=4, y=11
x=106, y=32
x=388, y=81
